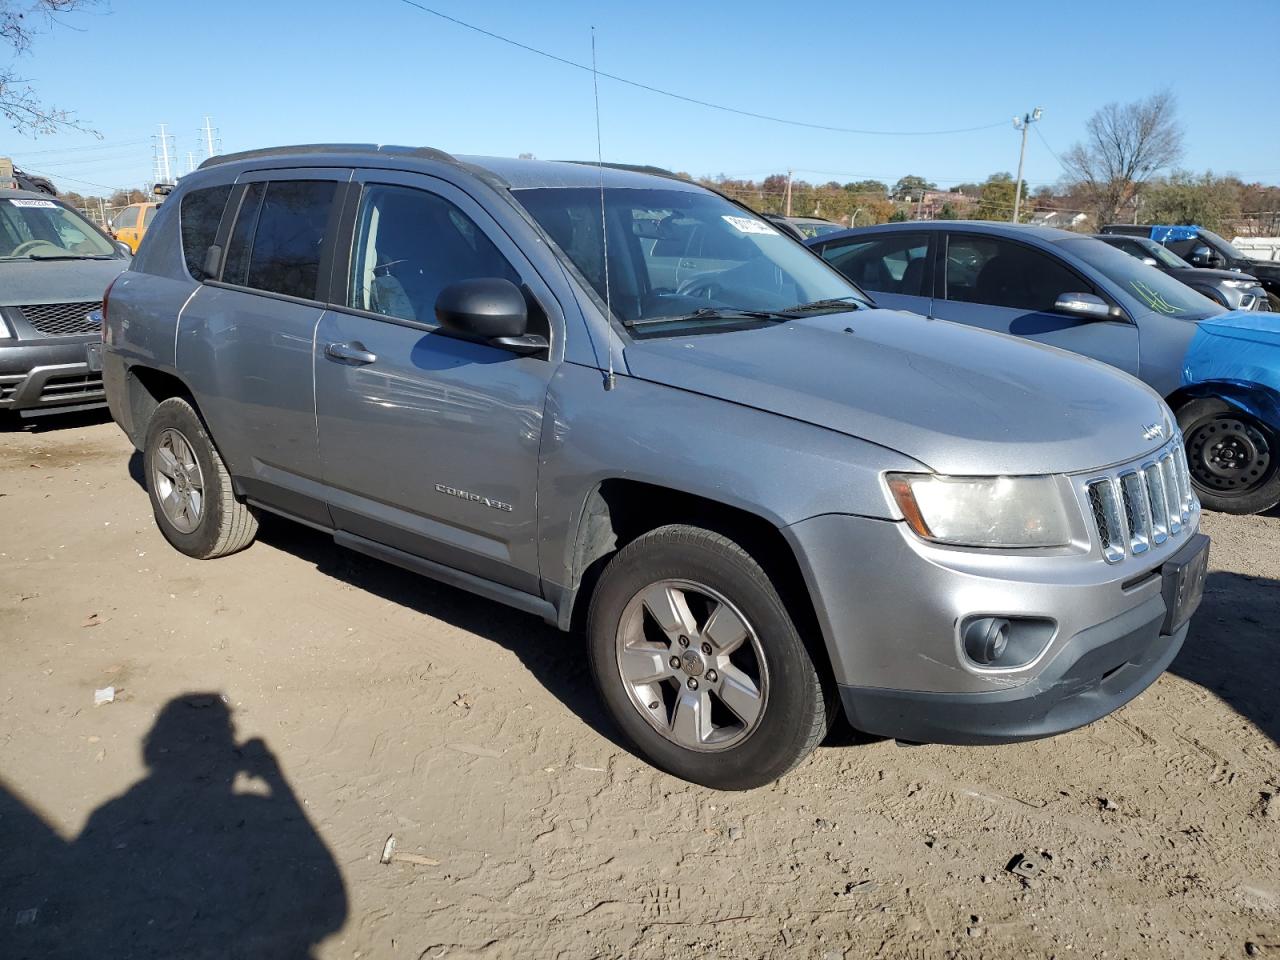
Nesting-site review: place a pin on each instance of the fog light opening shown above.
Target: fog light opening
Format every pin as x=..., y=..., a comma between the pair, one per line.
x=986, y=639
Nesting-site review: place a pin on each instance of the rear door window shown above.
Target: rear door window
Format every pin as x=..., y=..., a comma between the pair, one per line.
x=893, y=263
x=1002, y=273
x=200, y=214
x=279, y=236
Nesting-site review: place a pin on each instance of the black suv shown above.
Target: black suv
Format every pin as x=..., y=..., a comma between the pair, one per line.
x=1235, y=291
x=1204, y=248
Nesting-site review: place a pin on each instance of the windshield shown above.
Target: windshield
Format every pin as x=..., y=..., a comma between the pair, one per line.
x=677, y=253
x=1152, y=289
x=1162, y=255
x=1222, y=245
x=32, y=229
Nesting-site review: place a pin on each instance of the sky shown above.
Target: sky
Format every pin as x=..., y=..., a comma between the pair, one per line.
x=274, y=72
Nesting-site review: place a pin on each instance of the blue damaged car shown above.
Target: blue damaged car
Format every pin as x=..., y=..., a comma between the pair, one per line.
x=1219, y=370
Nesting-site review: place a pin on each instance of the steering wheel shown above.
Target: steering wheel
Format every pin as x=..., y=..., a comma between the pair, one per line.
x=704, y=286
x=24, y=248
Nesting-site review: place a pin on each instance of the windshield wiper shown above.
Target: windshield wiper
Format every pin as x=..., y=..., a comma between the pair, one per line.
x=69, y=256
x=716, y=313
x=831, y=303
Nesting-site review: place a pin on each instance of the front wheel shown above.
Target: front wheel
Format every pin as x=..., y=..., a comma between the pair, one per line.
x=1234, y=458
x=699, y=661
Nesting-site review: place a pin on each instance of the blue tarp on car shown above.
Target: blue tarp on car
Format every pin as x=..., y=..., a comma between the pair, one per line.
x=1164, y=234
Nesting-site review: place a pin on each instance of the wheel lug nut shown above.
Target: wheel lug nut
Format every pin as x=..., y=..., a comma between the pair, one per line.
x=711, y=676
x=684, y=641
x=693, y=684
x=706, y=648
x=675, y=663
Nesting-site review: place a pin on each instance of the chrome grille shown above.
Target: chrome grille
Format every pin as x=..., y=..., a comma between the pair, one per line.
x=1143, y=504
x=62, y=319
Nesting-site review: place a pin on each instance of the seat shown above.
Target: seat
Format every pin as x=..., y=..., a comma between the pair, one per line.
x=913, y=279
x=1001, y=282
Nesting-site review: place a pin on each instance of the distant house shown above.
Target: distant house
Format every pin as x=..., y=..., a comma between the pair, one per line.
x=1062, y=219
x=929, y=207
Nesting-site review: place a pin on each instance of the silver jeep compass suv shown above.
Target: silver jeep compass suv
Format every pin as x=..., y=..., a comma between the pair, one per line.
x=624, y=403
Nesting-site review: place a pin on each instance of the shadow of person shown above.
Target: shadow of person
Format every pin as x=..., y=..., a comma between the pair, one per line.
x=1231, y=649
x=209, y=855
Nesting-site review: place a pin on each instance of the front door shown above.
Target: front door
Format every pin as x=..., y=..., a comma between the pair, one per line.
x=429, y=444
x=1003, y=285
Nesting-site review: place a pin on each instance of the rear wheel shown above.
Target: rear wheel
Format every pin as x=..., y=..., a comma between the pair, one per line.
x=699, y=662
x=1234, y=459
x=190, y=489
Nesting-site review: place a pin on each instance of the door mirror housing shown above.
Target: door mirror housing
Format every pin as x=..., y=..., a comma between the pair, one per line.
x=1201, y=255
x=124, y=249
x=1087, y=306
x=1150, y=261
x=489, y=309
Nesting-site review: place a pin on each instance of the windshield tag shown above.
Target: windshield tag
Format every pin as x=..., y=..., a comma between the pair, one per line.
x=748, y=225
x=31, y=203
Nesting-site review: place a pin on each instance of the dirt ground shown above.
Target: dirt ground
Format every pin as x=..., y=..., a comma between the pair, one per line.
x=279, y=714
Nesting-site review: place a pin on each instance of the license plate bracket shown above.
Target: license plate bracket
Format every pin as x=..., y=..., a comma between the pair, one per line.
x=1183, y=583
x=93, y=356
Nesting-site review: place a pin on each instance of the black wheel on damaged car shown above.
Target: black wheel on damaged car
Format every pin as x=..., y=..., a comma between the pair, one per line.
x=190, y=489
x=700, y=663
x=1234, y=459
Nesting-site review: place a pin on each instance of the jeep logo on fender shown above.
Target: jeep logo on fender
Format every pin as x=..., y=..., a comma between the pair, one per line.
x=474, y=497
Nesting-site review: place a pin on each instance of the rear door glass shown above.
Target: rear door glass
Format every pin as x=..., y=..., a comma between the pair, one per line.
x=895, y=263
x=279, y=235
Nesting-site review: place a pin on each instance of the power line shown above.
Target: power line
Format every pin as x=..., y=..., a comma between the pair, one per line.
x=96, y=146
x=694, y=100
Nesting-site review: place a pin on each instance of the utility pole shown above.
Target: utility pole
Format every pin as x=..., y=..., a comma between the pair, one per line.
x=208, y=137
x=1022, y=123
x=191, y=161
x=165, y=170
x=787, y=211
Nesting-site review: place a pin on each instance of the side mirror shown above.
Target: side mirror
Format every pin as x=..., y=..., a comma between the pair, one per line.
x=1201, y=255
x=124, y=249
x=1083, y=305
x=489, y=309
x=1150, y=261
x=162, y=189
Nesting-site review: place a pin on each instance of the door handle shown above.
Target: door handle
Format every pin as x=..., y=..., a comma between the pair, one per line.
x=353, y=353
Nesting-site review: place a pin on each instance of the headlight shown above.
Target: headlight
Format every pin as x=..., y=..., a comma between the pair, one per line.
x=983, y=511
x=1240, y=284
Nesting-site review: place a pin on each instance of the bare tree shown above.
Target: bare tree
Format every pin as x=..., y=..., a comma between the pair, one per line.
x=21, y=21
x=1125, y=145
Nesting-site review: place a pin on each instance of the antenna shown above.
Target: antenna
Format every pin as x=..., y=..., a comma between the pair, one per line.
x=604, y=223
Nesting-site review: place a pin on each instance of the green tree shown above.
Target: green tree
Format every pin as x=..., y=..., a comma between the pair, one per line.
x=898, y=216
x=995, y=199
x=1184, y=197
x=911, y=187
x=948, y=212
x=869, y=187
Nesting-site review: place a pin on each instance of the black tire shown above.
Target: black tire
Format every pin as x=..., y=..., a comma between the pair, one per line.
x=225, y=524
x=798, y=708
x=1248, y=484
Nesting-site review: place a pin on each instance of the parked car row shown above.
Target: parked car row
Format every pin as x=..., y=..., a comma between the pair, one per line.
x=625, y=403
x=1218, y=370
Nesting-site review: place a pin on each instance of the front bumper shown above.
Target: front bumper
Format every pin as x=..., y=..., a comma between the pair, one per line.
x=892, y=609
x=48, y=376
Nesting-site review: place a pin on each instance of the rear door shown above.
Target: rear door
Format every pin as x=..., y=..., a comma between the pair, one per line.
x=895, y=268
x=126, y=226
x=430, y=443
x=245, y=340
x=1008, y=286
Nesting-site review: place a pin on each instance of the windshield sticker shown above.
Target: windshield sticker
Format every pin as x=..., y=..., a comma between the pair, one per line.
x=32, y=203
x=1152, y=299
x=748, y=225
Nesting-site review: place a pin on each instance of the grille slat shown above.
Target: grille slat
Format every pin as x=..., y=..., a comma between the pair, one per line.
x=1139, y=507
x=62, y=319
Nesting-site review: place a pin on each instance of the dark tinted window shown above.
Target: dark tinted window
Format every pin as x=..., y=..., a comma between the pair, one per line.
x=892, y=263
x=1006, y=274
x=283, y=235
x=409, y=246
x=200, y=213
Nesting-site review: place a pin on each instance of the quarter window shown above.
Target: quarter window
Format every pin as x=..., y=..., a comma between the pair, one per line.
x=894, y=263
x=1004, y=274
x=200, y=213
x=410, y=245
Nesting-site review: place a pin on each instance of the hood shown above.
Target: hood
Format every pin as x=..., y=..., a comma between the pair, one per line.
x=56, y=281
x=1259, y=327
x=1205, y=273
x=961, y=400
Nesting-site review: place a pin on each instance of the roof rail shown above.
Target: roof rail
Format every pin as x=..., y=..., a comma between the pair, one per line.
x=425, y=153
x=633, y=167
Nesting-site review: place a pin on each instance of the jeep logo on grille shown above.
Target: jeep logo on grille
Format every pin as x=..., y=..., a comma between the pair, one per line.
x=1153, y=431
